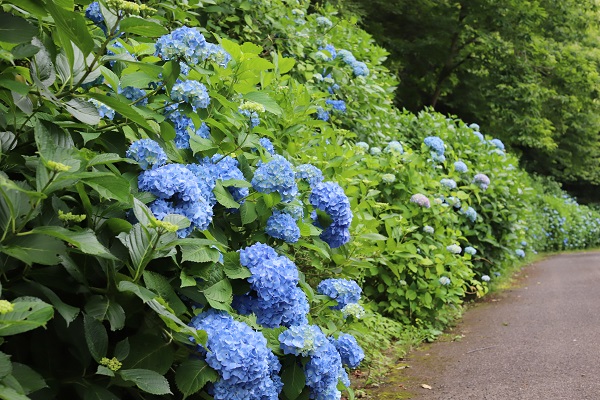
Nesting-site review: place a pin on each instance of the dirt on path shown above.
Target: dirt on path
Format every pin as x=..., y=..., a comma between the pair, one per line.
x=537, y=341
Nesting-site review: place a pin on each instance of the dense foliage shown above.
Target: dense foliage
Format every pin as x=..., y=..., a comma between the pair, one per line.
x=526, y=71
x=220, y=200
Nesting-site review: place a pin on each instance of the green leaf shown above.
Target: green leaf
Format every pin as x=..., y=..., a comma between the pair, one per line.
x=123, y=108
x=95, y=392
x=102, y=370
x=69, y=313
x=192, y=375
x=147, y=380
x=198, y=144
x=111, y=187
x=102, y=308
x=83, y=110
x=143, y=214
x=137, y=79
x=28, y=313
x=7, y=393
x=220, y=292
x=144, y=294
x=95, y=337
x=73, y=25
x=29, y=380
x=85, y=240
x=248, y=213
x=224, y=197
x=150, y=352
x=32, y=249
x=373, y=236
x=122, y=349
x=14, y=29
x=266, y=100
x=238, y=183
x=170, y=73
x=293, y=380
x=232, y=267
x=159, y=284
x=5, y=365
x=199, y=253
x=142, y=27
x=15, y=86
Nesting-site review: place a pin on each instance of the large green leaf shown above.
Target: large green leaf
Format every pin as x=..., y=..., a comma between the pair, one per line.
x=142, y=27
x=5, y=365
x=28, y=313
x=192, y=375
x=149, y=352
x=111, y=187
x=95, y=337
x=161, y=285
x=85, y=240
x=224, y=197
x=30, y=380
x=39, y=249
x=147, y=380
x=73, y=25
x=199, y=253
x=266, y=100
x=123, y=108
x=69, y=313
x=8, y=393
x=14, y=29
x=294, y=380
x=83, y=110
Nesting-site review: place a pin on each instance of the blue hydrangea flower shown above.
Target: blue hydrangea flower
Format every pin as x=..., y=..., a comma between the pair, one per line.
x=267, y=145
x=359, y=68
x=224, y=168
x=330, y=198
x=184, y=42
x=354, y=309
x=362, y=147
x=322, y=114
x=323, y=372
x=305, y=340
x=103, y=110
x=183, y=126
x=191, y=92
x=324, y=22
x=435, y=144
x=485, y=278
x=474, y=126
x=331, y=49
x=471, y=214
x=346, y=56
x=135, y=95
x=344, y=291
x=278, y=176
x=282, y=226
x=350, y=352
x=520, y=253
x=252, y=116
x=309, y=173
x=375, y=151
x=420, y=200
x=449, y=183
x=247, y=367
x=216, y=53
x=497, y=273
x=479, y=135
x=147, y=153
x=94, y=14
x=482, y=181
x=454, y=249
x=275, y=298
x=428, y=229
x=470, y=250
x=460, y=166
x=337, y=105
x=498, y=143
x=394, y=147
x=435, y=157
x=203, y=131
x=444, y=280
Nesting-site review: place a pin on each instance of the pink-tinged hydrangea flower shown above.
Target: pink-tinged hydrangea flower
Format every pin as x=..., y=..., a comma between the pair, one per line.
x=420, y=200
x=482, y=181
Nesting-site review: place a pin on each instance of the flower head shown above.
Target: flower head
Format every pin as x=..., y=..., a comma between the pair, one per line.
x=435, y=144
x=470, y=250
x=278, y=176
x=460, y=166
x=454, y=249
x=282, y=226
x=444, y=280
x=344, y=291
x=482, y=181
x=147, y=153
x=420, y=200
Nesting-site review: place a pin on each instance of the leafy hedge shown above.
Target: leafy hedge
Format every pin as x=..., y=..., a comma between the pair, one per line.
x=188, y=209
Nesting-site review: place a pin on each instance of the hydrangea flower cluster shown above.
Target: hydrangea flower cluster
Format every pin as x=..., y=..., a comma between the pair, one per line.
x=471, y=214
x=190, y=45
x=94, y=14
x=147, y=153
x=191, y=92
x=251, y=110
x=440, y=158
x=224, y=168
x=454, y=249
x=330, y=198
x=359, y=68
x=482, y=181
x=394, y=147
x=322, y=114
x=420, y=200
x=444, y=280
x=309, y=173
x=344, y=291
x=103, y=109
x=428, y=229
x=470, y=250
x=435, y=144
x=324, y=22
x=460, y=166
x=388, y=178
x=183, y=126
x=485, y=278
x=177, y=192
x=275, y=297
x=337, y=105
x=137, y=96
x=497, y=143
x=304, y=340
x=520, y=253
x=277, y=175
x=353, y=309
x=247, y=367
x=282, y=226
x=375, y=151
x=331, y=50
x=362, y=146
x=350, y=352
x=267, y=145
x=449, y=183
x=453, y=201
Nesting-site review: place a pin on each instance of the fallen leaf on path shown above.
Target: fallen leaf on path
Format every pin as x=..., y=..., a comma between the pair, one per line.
x=424, y=386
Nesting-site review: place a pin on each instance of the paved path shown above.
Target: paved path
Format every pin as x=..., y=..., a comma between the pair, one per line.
x=538, y=341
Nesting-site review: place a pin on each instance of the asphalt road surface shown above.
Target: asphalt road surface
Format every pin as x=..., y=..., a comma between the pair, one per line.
x=538, y=341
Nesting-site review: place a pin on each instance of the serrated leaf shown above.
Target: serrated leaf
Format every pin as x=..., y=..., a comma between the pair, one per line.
x=95, y=392
x=142, y=27
x=199, y=253
x=73, y=25
x=147, y=380
x=232, y=267
x=192, y=375
x=42, y=67
x=7, y=141
x=137, y=80
x=28, y=313
x=5, y=365
x=248, y=213
x=69, y=313
x=150, y=352
x=7, y=393
x=144, y=294
x=126, y=110
x=266, y=100
x=159, y=284
x=83, y=110
x=95, y=337
x=122, y=349
x=85, y=240
x=224, y=197
x=30, y=380
x=31, y=249
x=102, y=370
x=111, y=187
x=373, y=236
